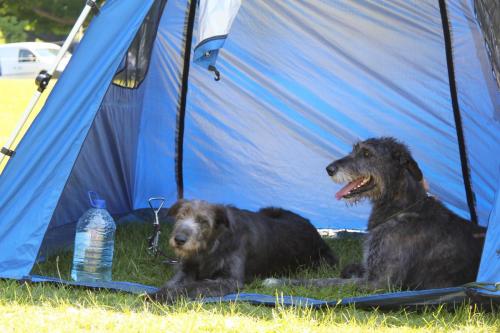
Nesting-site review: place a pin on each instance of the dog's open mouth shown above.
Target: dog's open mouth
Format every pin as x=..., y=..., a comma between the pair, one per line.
x=355, y=187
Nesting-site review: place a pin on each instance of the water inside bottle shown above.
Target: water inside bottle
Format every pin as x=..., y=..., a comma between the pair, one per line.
x=94, y=244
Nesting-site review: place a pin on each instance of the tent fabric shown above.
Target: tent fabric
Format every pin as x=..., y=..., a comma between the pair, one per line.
x=381, y=301
x=155, y=165
x=118, y=131
x=124, y=286
x=479, y=102
x=347, y=71
x=302, y=82
x=489, y=270
x=487, y=15
x=115, y=131
x=32, y=182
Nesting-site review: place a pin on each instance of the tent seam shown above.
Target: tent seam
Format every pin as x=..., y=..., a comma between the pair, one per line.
x=456, y=112
x=181, y=115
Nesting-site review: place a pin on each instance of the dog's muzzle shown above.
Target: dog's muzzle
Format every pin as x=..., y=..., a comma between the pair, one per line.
x=180, y=239
x=331, y=169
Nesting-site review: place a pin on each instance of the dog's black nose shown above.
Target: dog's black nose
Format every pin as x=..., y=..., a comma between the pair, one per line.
x=331, y=169
x=180, y=239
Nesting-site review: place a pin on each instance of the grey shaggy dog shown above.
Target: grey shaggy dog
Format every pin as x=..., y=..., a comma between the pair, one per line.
x=222, y=247
x=413, y=241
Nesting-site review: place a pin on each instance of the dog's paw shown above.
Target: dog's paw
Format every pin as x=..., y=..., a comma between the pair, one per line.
x=148, y=297
x=352, y=271
x=152, y=297
x=273, y=282
x=162, y=296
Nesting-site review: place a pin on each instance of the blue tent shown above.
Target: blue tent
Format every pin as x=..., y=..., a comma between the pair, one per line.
x=131, y=117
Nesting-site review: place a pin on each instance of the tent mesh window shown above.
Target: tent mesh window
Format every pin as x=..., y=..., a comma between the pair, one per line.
x=488, y=14
x=135, y=64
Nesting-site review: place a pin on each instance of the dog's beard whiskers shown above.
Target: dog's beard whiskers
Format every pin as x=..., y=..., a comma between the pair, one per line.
x=187, y=250
x=342, y=177
x=351, y=202
x=377, y=192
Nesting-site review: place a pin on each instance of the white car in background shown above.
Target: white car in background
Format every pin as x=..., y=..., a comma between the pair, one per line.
x=29, y=58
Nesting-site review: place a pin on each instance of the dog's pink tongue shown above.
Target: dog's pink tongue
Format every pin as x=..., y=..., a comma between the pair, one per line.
x=346, y=189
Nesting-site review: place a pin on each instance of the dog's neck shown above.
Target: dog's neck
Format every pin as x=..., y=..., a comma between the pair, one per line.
x=407, y=196
x=215, y=244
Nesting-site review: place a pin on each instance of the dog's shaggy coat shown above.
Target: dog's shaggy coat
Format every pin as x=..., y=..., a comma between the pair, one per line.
x=222, y=247
x=413, y=241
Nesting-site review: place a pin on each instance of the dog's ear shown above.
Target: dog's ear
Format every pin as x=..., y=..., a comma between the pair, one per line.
x=407, y=161
x=172, y=211
x=414, y=169
x=221, y=217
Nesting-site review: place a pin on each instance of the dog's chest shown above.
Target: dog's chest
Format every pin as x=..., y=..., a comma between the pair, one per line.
x=209, y=268
x=375, y=244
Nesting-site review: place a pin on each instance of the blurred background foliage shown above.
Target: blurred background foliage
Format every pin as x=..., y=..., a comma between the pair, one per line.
x=30, y=20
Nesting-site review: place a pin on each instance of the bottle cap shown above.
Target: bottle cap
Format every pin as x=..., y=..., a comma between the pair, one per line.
x=96, y=201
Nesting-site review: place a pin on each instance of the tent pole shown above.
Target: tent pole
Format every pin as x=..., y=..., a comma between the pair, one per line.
x=43, y=79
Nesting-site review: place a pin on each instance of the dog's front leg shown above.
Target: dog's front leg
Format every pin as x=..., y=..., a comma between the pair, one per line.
x=172, y=289
x=211, y=288
x=218, y=287
x=179, y=278
x=195, y=289
x=183, y=284
x=168, y=295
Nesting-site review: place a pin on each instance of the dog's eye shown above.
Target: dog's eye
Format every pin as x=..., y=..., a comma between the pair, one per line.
x=202, y=220
x=366, y=153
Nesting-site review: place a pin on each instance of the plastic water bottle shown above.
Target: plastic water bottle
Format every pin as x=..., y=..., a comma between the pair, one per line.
x=94, y=243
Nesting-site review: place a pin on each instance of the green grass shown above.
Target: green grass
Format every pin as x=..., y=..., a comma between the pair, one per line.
x=47, y=308
x=133, y=263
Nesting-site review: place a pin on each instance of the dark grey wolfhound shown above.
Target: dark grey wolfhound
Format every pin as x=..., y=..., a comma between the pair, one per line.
x=413, y=241
x=222, y=247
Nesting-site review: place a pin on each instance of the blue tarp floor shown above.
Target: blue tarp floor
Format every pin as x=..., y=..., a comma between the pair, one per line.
x=483, y=293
